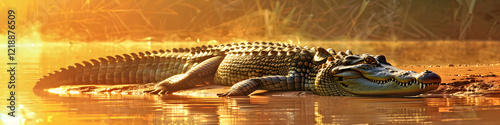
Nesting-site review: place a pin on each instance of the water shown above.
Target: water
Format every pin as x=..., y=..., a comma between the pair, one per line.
x=35, y=60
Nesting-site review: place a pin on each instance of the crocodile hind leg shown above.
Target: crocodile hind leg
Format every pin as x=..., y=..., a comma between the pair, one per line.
x=201, y=73
x=245, y=87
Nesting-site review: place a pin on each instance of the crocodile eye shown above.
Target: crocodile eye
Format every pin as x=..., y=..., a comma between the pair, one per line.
x=351, y=58
x=381, y=58
x=370, y=60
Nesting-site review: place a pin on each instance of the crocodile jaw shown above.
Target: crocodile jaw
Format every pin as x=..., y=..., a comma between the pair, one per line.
x=384, y=80
x=362, y=86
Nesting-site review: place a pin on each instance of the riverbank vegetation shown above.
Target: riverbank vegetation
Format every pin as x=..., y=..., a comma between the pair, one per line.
x=283, y=20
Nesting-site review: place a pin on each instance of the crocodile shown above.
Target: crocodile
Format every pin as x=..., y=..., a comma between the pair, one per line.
x=249, y=66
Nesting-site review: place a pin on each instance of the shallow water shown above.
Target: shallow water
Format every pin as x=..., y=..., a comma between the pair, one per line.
x=35, y=60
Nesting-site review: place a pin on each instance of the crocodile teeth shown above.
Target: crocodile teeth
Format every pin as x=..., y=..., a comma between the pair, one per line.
x=403, y=84
x=423, y=86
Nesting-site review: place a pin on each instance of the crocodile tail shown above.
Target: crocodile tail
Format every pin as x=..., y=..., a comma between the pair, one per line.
x=133, y=68
x=109, y=70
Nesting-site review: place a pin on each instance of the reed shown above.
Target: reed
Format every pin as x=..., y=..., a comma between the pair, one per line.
x=283, y=20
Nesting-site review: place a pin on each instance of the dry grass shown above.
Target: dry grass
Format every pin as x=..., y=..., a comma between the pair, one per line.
x=226, y=20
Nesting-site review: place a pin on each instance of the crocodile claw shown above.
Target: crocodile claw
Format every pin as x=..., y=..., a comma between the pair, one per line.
x=222, y=94
x=148, y=91
x=229, y=93
x=157, y=90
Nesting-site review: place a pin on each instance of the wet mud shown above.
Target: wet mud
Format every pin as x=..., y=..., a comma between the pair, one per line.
x=464, y=80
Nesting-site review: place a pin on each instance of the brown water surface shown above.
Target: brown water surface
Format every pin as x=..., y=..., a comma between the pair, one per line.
x=37, y=59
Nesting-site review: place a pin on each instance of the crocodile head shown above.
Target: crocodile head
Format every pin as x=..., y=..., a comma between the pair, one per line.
x=371, y=76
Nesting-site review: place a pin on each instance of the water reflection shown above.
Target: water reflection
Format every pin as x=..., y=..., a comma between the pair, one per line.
x=173, y=109
x=116, y=108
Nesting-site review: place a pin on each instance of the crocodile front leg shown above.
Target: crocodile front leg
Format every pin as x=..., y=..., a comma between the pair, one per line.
x=201, y=73
x=248, y=86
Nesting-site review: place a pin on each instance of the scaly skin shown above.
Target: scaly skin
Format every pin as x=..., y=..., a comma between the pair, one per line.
x=248, y=67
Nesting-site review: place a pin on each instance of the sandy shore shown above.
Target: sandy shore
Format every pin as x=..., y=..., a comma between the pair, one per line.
x=464, y=80
x=462, y=74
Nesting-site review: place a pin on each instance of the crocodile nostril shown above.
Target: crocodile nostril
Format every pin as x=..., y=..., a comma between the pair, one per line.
x=393, y=71
x=428, y=77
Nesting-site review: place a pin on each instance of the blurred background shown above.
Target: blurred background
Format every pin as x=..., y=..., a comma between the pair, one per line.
x=230, y=20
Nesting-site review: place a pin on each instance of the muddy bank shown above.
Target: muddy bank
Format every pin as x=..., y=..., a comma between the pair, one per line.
x=464, y=80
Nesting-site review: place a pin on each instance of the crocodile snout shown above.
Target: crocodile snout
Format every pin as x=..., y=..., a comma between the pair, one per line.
x=428, y=77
